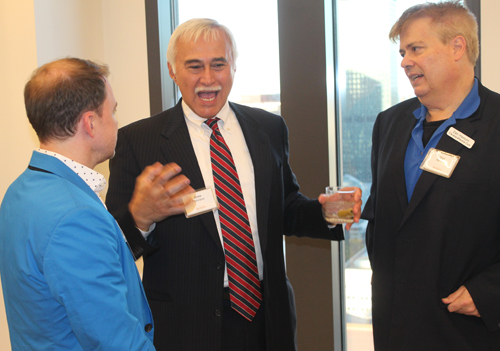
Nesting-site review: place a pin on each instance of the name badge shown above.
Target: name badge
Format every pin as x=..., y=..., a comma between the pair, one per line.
x=460, y=137
x=440, y=163
x=202, y=201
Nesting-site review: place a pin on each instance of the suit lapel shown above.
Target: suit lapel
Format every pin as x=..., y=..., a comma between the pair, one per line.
x=402, y=137
x=446, y=144
x=258, y=146
x=177, y=147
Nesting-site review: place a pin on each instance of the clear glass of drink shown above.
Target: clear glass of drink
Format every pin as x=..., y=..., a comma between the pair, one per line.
x=339, y=205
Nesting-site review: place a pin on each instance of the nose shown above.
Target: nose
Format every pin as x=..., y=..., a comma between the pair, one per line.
x=207, y=76
x=406, y=61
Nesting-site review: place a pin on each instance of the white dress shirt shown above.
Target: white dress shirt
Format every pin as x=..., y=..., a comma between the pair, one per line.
x=233, y=135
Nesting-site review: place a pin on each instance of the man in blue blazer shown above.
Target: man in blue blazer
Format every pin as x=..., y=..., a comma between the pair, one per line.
x=184, y=257
x=68, y=276
x=433, y=236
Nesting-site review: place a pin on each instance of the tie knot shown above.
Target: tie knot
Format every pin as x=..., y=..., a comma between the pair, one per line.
x=212, y=122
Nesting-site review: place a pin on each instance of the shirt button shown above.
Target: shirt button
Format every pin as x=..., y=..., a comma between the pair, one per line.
x=217, y=313
x=148, y=327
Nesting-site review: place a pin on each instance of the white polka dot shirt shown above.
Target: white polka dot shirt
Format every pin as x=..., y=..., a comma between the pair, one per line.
x=94, y=180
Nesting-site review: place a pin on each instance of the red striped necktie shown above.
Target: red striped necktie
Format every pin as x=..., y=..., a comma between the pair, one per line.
x=244, y=285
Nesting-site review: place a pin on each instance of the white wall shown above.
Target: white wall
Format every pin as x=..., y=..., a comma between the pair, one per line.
x=110, y=31
x=17, y=61
x=34, y=32
x=490, y=51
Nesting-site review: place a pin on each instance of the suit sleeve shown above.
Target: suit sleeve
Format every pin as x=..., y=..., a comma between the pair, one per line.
x=484, y=289
x=302, y=216
x=83, y=269
x=124, y=169
x=369, y=209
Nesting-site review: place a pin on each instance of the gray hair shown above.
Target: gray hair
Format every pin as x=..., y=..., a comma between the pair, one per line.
x=193, y=29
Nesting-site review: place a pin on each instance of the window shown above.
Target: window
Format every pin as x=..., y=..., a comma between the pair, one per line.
x=257, y=80
x=369, y=80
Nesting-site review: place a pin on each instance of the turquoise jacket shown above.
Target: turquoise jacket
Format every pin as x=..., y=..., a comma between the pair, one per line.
x=69, y=279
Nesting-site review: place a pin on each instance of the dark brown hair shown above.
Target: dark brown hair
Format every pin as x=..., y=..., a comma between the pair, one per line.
x=59, y=92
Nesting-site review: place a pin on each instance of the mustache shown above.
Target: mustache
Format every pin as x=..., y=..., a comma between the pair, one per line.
x=207, y=89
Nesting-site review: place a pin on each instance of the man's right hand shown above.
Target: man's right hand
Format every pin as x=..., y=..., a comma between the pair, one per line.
x=158, y=194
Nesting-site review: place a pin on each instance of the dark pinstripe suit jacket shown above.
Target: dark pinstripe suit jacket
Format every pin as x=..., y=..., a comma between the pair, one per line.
x=183, y=258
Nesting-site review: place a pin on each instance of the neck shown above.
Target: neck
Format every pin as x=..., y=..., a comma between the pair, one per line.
x=450, y=100
x=71, y=149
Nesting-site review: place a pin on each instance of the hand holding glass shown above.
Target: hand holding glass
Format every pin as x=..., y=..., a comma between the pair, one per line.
x=339, y=205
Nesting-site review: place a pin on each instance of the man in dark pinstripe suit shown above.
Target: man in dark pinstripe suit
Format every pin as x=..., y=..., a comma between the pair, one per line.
x=185, y=275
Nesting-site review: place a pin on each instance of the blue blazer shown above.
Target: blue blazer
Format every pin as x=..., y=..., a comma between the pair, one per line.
x=69, y=279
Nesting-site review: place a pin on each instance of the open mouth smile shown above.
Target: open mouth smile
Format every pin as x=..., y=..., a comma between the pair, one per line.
x=207, y=94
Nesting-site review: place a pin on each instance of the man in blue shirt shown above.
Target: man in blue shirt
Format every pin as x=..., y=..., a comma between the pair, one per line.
x=68, y=276
x=433, y=236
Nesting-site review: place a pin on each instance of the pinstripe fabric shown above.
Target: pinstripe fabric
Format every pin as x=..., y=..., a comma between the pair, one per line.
x=244, y=285
x=184, y=257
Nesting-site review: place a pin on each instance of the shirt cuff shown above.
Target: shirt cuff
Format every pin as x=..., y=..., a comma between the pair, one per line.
x=330, y=226
x=146, y=234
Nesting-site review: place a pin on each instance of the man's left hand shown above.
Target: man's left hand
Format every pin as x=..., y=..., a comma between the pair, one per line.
x=461, y=302
x=357, y=205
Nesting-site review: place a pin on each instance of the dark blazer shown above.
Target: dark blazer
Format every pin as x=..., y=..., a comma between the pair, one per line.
x=448, y=235
x=183, y=278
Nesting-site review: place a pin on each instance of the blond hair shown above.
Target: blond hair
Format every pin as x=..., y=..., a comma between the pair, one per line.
x=450, y=19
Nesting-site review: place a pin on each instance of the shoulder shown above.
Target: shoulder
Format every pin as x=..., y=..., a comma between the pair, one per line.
x=488, y=96
x=399, y=111
x=256, y=112
x=409, y=105
x=154, y=123
x=257, y=116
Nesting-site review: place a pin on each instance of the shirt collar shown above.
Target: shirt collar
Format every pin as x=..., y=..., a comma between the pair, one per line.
x=225, y=115
x=466, y=108
x=95, y=180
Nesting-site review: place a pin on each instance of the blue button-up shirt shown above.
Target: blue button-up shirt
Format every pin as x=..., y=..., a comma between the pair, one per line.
x=415, y=152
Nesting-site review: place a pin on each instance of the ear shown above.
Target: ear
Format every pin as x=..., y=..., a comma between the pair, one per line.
x=171, y=73
x=87, y=123
x=459, y=47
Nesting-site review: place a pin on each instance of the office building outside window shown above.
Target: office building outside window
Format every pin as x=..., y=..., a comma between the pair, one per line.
x=369, y=80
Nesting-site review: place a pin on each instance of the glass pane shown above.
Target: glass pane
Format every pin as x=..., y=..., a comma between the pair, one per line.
x=369, y=80
x=257, y=80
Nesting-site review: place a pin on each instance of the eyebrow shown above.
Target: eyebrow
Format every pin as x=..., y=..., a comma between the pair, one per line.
x=412, y=44
x=217, y=59
x=188, y=62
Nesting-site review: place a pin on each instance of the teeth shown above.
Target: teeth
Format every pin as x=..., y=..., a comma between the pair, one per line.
x=208, y=100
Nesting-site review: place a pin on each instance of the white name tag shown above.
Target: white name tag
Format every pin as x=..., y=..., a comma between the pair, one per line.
x=460, y=137
x=202, y=201
x=440, y=163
